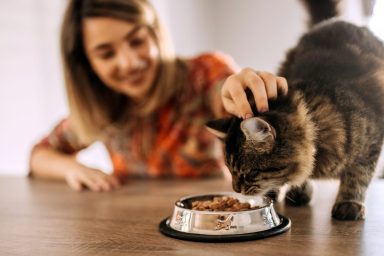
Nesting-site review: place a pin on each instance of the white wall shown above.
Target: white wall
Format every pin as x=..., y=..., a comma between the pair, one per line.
x=258, y=33
x=31, y=94
x=190, y=23
x=255, y=33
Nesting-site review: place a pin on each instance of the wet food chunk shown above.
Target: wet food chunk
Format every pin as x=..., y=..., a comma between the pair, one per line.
x=223, y=203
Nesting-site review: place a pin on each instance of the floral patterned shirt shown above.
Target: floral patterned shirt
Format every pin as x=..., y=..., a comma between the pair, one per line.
x=182, y=146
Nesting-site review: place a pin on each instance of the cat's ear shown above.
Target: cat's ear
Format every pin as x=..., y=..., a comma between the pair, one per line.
x=259, y=132
x=219, y=127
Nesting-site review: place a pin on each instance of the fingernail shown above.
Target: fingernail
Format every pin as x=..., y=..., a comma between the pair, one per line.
x=262, y=110
x=248, y=116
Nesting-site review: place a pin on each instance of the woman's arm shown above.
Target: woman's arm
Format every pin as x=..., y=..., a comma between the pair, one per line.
x=53, y=158
x=50, y=164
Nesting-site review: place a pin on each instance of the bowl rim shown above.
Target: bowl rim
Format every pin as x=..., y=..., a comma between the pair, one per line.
x=267, y=202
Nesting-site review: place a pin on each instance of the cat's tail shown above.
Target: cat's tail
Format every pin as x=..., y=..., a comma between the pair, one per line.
x=320, y=10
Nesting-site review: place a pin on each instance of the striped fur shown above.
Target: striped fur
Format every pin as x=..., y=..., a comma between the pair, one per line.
x=331, y=124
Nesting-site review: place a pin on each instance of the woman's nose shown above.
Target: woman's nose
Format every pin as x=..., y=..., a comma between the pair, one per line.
x=128, y=59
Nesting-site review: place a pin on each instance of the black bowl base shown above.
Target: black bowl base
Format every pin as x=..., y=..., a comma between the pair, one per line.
x=168, y=231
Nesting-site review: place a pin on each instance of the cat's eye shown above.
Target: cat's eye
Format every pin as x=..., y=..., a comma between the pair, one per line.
x=252, y=175
x=274, y=169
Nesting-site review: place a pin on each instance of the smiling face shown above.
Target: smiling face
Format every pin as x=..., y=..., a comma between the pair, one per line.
x=124, y=55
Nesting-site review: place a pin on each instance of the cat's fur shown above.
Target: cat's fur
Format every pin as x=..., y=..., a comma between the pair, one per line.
x=330, y=125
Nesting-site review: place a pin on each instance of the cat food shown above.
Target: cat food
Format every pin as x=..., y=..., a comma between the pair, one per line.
x=222, y=203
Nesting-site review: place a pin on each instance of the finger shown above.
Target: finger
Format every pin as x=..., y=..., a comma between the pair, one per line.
x=226, y=96
x=230, y=106
x=270, y=83
x=103, y=184
x=113, y=181
x=75, y=184
x=89, y=183
x=257, y=86
x=239, y=98
x=282, y=84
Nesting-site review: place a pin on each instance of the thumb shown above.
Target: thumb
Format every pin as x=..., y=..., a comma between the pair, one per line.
x=75, y=184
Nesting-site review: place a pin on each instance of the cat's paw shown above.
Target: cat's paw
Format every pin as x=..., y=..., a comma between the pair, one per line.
x=277, y=194
x=298, y=196
x=273, y=194
x=347, y=210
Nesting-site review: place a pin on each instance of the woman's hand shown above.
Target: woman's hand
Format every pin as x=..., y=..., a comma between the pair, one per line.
x=263, y=85
x=93, y=179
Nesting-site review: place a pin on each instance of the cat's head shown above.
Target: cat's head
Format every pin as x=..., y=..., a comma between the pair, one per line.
x=269, y=150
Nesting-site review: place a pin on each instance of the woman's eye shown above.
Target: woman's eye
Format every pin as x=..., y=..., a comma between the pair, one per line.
x=106, y=55
x=136, y=42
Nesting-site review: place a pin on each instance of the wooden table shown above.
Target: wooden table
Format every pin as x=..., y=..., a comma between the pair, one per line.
x=42, y=218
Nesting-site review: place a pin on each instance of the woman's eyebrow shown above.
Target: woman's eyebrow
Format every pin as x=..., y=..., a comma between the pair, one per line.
x=133, y=31
x=130, y=33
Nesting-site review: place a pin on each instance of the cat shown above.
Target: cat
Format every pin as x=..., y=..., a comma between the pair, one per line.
x=330, y=125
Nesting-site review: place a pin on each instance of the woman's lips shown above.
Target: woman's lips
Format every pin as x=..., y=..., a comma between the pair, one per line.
x=138, y=81
x=138, y=78
x=135, y=79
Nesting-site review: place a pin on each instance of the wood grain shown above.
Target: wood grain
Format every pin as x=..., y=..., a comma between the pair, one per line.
x=41, y=218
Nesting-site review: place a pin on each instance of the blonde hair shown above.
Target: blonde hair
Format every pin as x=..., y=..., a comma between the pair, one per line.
x=93, y=106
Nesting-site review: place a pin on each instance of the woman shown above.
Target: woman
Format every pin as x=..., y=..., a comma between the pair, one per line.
x=126, y=88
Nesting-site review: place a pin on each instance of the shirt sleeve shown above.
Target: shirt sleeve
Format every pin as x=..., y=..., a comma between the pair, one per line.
x=209, y=72
x=62, y=138
x=196, y=153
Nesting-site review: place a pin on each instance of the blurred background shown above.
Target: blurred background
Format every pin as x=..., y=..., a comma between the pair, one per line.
x=256, y=33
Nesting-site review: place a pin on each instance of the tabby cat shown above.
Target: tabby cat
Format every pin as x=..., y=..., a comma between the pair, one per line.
x=330, y=125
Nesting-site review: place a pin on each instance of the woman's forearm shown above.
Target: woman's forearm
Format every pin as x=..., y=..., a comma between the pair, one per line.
x=48, y=163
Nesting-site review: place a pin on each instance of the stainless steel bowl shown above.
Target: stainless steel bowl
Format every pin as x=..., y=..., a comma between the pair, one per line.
x=197, y=225
x=185, y=219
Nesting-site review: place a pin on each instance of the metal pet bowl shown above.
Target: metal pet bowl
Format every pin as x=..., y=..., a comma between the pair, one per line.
x=224, y=226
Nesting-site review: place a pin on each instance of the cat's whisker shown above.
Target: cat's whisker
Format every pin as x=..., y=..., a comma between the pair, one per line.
x=290, y=198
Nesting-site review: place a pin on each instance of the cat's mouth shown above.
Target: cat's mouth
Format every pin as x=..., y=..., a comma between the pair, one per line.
x=241, y=187
x=255, y=190
x=251, y=191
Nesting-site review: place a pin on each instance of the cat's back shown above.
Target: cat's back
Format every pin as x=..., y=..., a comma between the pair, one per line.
x=334, y=50
x=338, y=60
x=339, y=69
x=337, y=34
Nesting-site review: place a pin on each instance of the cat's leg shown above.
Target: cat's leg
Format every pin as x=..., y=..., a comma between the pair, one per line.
x=277, y=194
x=300, y=195
x=354, y=182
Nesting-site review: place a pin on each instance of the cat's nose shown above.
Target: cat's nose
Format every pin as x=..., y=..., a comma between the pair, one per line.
x=237, y=183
